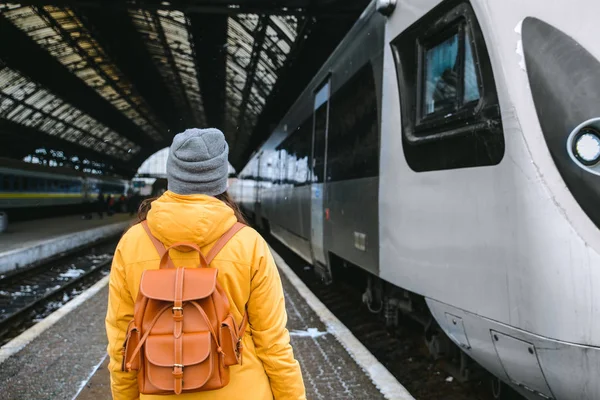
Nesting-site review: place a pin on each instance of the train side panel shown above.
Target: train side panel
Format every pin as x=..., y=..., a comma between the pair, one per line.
x=350, y=183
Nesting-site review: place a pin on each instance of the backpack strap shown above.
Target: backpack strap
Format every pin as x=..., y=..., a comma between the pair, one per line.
x=212, y=254
x=160, y=247
x=243, y=325
x=223, y=241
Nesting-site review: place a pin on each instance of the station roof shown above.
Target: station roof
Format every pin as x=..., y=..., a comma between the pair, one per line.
x=108, y=83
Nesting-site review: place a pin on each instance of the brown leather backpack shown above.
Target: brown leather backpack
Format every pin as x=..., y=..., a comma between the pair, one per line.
x=182, y=337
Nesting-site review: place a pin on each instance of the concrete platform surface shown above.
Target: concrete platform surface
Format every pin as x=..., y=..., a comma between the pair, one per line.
x=60, y=360
x=33, y=241
x=69, y=360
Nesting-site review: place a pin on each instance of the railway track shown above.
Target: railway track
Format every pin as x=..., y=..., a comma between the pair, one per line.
x=31, y=295
x=402, y=350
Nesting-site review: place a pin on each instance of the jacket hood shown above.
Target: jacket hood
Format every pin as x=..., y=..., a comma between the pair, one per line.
x=197, y=218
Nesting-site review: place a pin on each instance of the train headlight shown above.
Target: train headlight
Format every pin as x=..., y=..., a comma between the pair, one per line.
x=587, y=146
x=583, y=146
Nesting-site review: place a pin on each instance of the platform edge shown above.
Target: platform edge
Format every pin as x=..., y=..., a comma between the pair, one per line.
x=387, y=384
x=18, y=343
x=89, y=378
x=15, y=259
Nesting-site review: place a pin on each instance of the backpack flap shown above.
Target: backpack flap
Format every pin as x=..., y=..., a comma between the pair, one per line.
x=197, y=362
x=159, y=284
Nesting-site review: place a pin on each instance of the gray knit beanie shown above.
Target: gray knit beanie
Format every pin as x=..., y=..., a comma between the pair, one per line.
x=197, y=162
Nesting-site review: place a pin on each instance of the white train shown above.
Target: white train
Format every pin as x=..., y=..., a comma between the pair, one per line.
x=451, y=150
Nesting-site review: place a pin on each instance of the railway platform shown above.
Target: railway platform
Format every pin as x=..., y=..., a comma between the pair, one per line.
x=64, y=356
x=31, y=242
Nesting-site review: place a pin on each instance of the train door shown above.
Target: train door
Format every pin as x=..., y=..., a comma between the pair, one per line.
x=319, y=162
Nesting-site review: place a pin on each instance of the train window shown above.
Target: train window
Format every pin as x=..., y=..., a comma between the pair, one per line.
x=353, y=142
x=7, y=183
x=298, y=147
x=441, y=64
x=302, y=147
x=470, y=85
x=449, y=104
x=450, y=80
x=282, y=167
x=277, y=180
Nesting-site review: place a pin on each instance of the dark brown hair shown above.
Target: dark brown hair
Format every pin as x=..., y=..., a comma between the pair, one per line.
x=146, y=205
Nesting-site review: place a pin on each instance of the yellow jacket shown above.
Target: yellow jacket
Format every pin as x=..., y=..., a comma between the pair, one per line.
x=248, y=274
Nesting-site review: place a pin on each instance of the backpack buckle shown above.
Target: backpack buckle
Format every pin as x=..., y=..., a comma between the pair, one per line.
x=177, y=309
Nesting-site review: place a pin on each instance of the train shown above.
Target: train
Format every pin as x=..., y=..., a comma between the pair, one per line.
x=448, y=154
x=29, y=190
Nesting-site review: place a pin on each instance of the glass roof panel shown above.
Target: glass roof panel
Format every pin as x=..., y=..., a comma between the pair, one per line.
x=168, y=41
x=287, y=25
x=59, y=31
x=29, y=104
x=243, y=29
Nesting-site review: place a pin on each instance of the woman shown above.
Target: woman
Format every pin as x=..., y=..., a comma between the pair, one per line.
x=197, y=209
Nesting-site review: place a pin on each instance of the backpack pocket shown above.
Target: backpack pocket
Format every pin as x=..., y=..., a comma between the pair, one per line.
x=131, y=342
x=197, y=362
x=229, y=342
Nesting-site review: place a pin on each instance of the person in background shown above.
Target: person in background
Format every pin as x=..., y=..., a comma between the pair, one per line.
x=133, y=203
x=196, y=208
x=122, y=204
x=100, y=205
x=110, y=205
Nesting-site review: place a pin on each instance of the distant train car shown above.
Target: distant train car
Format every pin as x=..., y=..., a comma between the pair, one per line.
x=448, y=153
x=32, y=190
x=24, y=185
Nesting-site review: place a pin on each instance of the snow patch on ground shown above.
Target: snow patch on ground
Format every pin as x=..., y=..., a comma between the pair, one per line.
x=29, y=289
x=98, y=258
x=72, y=273
x=310, y=332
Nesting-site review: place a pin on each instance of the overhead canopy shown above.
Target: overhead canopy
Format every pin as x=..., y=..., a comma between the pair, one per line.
x=110, y=82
